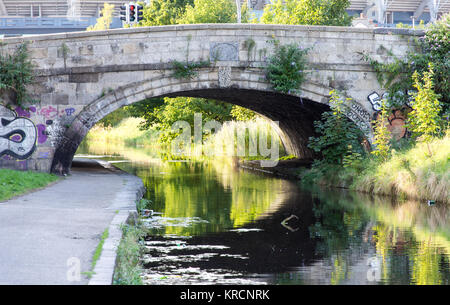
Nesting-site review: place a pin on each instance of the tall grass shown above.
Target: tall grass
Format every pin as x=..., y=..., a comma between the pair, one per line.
x=222, y=143
x=225, y=142
x=127, y=131
x=408, y=173
x=413, y=173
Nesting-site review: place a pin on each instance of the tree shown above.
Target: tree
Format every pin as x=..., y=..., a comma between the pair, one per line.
x=105, y=20
x=336, y=133
x=312, y=12
x=213, y=11
x=424, y=120
x=164, y=12
x=183, y=109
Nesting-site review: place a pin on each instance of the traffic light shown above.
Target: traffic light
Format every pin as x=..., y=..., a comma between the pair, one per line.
x=124, y=12
x=132, y=10
x=139, y=13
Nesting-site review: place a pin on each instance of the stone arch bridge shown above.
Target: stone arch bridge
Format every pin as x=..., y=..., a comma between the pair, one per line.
x=81, y=77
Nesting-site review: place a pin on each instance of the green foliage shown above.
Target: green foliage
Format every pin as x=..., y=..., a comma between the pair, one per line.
x=114, y=118
x=98, y=251
x=143, y=204
x=286, y=68
x=420, y=26
x=213, y=11
x=105, y=20
x=396, y=75
x=242, y=114
x=288, y=157
x=381, y=134
x=352, y=159
x=183, y=109
x=164, y=12
x=128, y=264
x=336, y=133
x=187, y=70
x=249, y=44
x=16, y=72
x=312, y=12
x=425, y=121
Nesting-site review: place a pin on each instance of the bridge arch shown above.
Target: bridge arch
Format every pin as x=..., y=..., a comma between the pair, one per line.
x=295, y=114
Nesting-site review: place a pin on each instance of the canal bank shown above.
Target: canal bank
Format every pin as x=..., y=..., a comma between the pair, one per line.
x=409, y=173
x=50, y=236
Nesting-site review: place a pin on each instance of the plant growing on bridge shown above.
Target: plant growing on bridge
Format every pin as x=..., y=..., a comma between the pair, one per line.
x=286, y=68
x=187, y=70
x=396, y=75
x=16, y=72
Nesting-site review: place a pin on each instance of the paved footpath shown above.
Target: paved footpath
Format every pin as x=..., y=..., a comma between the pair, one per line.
x=44, y=235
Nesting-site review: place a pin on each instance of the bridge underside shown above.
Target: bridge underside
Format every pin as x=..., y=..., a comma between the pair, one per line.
x=295, y=117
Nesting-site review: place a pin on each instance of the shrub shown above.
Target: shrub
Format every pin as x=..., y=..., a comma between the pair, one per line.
x=336, y=133
x=16, y=72
x=286, y=68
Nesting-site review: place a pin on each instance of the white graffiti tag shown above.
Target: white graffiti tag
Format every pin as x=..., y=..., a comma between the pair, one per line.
x=17, y=137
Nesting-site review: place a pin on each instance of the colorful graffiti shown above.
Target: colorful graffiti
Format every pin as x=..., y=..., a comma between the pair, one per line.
x=17, y=135
x=49, y=112
x=397, y=123
x=396, y=120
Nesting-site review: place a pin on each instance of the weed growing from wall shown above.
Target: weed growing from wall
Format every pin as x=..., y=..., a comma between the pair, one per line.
x=286, y=68
x=16, y=72
x=187, y=70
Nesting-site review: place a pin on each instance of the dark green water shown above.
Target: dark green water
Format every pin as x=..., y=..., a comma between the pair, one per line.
x=215, y=224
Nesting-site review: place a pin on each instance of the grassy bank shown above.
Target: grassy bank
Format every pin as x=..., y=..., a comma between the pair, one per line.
x=408, y=173
x=128, y=263
x=13, y=183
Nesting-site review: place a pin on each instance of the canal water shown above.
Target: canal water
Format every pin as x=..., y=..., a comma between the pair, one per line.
x=213, y=223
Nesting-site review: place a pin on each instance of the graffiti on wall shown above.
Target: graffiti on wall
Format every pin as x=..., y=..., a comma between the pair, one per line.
x=18, y=134
x=359, y=116
x=375, y=99
x=397, y=118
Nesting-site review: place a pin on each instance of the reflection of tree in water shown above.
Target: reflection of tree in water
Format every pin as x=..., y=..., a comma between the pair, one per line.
x=210, y=191
x=336, y=232
x=400, y=232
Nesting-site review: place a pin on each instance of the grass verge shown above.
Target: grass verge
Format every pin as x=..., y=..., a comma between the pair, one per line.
x=128, y=263
x=97, y=253
x=13, y=183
